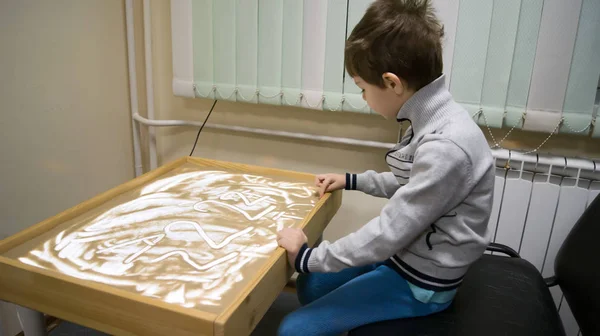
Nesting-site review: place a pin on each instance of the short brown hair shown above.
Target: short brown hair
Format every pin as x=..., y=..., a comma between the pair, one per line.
x=398, y=36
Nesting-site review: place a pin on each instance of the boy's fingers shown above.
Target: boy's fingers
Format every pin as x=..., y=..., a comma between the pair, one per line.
x=281, y=240
x=281, y=234
x=324, y=186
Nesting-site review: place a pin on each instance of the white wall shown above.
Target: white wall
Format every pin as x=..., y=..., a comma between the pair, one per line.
x=64, y=125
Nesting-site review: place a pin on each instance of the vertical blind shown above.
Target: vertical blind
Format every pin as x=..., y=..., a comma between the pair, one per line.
x=524, y=63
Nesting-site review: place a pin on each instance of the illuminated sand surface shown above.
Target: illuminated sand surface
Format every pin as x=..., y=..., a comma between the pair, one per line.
x=192, y=237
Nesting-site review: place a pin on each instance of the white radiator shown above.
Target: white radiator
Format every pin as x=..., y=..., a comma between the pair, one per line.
x=537, y=201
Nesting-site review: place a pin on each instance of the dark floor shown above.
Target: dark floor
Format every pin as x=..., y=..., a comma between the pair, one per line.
x=285, y=303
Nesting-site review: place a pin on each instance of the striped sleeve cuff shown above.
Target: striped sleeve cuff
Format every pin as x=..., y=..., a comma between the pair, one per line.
x=301, y=263
x=350, y=181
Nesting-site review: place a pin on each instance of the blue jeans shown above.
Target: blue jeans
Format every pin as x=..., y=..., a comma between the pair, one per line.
x=334, y=303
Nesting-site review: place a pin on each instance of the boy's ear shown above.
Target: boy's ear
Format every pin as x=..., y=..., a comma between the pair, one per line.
x=391, y=81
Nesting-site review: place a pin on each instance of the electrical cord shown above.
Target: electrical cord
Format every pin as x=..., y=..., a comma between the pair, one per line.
x=201, y=127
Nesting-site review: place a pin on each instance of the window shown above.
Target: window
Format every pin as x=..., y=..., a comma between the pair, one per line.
x=531, y=64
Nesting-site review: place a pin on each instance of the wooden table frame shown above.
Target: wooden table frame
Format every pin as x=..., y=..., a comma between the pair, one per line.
x=120, y=312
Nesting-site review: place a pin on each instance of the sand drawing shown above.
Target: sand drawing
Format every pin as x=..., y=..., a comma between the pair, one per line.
x=188, y=238
x=234, y=208
x=204, y=236
x=186, y=258
x=152, y=240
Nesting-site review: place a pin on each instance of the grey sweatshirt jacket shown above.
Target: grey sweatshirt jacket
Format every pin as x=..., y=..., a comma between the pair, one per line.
x=440, y=188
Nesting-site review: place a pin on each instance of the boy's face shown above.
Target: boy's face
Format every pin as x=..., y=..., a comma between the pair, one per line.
x=388, y=100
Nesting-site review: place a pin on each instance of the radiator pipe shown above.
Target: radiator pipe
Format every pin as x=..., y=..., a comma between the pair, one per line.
x=149, y=81
x=500, y=154
x=262, y=131
x=133, y=97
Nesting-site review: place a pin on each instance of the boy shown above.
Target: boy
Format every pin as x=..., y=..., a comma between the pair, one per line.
x=410, y=260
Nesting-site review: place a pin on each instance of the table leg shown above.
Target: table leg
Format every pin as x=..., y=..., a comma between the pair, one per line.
x=9, y=323
x=32, y=322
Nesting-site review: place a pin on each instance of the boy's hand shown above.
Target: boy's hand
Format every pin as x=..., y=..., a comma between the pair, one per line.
x=292, y=240
x=330, y=182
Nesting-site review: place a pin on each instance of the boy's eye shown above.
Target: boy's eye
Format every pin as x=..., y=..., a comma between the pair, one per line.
x=362, y=91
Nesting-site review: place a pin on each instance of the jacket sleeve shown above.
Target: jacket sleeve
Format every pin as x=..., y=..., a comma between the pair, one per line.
x=440, y=180
x=373, y=183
